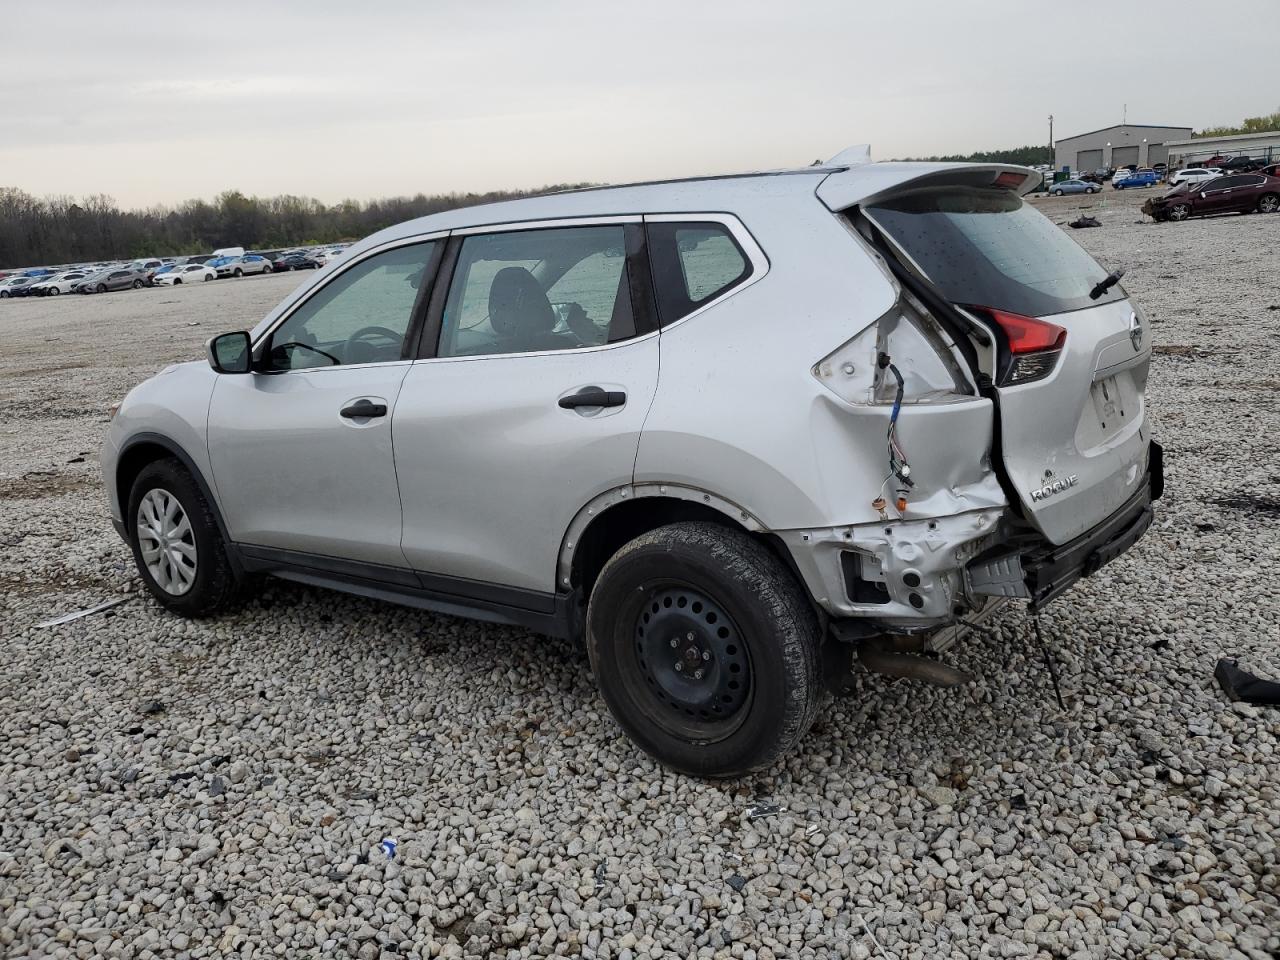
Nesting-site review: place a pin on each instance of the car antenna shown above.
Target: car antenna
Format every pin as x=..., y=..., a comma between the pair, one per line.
x=1106, y=283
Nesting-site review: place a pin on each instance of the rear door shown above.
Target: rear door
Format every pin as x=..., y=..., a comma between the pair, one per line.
x=1072, y=368
x=528, y=401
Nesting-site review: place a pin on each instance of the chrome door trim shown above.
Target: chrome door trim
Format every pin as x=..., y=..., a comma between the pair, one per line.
x=548, y=224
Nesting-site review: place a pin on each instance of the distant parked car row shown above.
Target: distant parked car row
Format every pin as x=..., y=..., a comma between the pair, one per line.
x=167, y=271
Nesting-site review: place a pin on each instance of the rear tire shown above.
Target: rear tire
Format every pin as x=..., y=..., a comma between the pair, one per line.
x=138, y=284
x=706, y=649
x=1268, y=203
x=54, y=291
x=1057, y=193
x=180, y=556
x=102, y=288
x=238, y=273
x=176, y=281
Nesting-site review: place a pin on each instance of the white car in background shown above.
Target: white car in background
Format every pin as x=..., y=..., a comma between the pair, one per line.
x=186, y=273
x=1195, y=175
x=240, y=266
x=59, y=283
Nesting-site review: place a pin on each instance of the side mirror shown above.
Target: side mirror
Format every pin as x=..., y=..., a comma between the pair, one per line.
x=230, y=352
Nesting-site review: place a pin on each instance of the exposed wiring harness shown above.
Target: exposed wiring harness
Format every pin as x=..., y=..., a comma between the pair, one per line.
x=898, y=465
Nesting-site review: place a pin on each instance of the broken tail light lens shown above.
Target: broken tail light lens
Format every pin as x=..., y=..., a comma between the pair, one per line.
x=1034, y=346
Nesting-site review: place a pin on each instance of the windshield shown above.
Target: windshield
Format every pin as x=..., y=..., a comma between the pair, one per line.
x=986, y=247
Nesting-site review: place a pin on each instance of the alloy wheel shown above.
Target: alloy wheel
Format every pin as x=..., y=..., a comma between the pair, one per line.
x=1269, y=203
x=166, y=541
x=1179, y=211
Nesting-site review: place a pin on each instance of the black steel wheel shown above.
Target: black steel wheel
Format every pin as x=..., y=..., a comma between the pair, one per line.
x=705, y=648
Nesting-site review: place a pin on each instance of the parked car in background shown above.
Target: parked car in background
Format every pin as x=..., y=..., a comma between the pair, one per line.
x=1194, y=175
x=15, y=286
x=540, y=472
x=1073, y=186
x=1135, y=178
x=295, y=261
x=1241, y=164
x=120, y=278
x=58, y=284
x=239, y=266
x=187, y=273
x=1236, y=193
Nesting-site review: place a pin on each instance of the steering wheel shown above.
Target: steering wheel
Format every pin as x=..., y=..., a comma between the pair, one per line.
x=374, y=329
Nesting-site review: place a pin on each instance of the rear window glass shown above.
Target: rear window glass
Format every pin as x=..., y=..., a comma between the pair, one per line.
x=693, y=264
x=988, y=248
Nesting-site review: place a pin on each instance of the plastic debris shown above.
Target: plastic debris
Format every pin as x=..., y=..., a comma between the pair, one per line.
x=737, y=882
x=763, y=809
x=1084, y=221
x=388, y=846
x=1239, y=684
x=68, y=617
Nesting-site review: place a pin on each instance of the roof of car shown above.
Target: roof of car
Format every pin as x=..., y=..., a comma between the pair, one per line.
x=841, y=186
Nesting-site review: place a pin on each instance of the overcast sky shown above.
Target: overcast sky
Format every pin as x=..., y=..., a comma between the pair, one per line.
x=156, y=103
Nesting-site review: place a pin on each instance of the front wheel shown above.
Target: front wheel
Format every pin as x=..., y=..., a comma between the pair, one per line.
x=238, y=273
x=1179, y=211
x=1268, y=203
x=54, y=291
x=177, y=280
x=705, y=648
x=176, y=543
x=207, y=278
x=102, y=288
x=1057, y=193
x=1093, y=189
x=137, y=284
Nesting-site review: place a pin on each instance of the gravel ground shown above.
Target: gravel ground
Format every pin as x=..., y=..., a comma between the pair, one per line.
x=180, y=789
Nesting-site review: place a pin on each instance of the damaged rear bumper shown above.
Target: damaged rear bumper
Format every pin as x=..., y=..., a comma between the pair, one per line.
x=1039, y=572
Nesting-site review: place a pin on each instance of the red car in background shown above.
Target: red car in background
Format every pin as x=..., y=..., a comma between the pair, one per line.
x=1237, y=193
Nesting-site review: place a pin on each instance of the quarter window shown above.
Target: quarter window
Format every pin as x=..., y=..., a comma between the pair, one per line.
x=693, y=263
x=537, y=290
x=361, y=316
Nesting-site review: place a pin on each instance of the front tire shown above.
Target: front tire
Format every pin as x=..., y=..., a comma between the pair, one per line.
x=176, y=543
x=1179, y=211
x=1057, y=193
x=705, y=648
x=102, y=288
x=138, y=284
x=238, y=273
x=177, y=281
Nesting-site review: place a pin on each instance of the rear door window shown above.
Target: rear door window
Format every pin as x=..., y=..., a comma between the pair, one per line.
x=536, y=290
x=693, y=264
x=987, y=248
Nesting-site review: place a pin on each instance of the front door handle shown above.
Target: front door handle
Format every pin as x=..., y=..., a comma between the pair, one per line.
x=593, y=397
x=364, y=408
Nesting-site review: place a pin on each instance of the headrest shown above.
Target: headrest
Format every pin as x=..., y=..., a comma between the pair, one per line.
x=518, y=307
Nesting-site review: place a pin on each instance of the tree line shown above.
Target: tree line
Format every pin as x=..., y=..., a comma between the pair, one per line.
x=1249, y=125
x=1023, y=156
x=57, y=230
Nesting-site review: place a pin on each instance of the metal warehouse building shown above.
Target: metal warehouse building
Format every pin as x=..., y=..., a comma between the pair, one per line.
x=1117, y=146
x=1263, y=146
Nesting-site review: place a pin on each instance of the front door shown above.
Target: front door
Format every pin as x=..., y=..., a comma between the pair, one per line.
x=528, y=405
x=301, y=449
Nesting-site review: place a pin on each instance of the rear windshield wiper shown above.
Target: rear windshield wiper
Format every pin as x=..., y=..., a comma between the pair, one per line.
x=1106, y=283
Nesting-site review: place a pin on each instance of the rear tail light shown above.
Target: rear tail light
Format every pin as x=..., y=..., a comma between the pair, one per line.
x=1034, y=346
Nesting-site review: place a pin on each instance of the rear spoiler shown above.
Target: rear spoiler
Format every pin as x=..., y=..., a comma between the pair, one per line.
x=867, y=182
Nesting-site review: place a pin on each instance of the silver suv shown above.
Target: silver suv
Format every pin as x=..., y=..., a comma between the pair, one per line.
x=725, y=431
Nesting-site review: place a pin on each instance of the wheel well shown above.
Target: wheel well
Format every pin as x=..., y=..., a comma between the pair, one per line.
x=132, y=463
x=621, y=524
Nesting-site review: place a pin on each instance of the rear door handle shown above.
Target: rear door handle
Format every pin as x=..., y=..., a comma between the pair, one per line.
x=594, y=397
x=364, y=408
